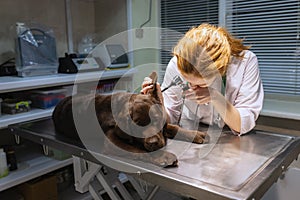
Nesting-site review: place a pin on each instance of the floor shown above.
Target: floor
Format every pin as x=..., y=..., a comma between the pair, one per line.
x=71, y=194
x=161, y=194
x=283, y=189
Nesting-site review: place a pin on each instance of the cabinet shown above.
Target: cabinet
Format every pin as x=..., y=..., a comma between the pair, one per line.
x=31, y=162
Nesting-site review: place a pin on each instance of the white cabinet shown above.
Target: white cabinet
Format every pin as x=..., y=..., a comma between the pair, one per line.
x=39, y=164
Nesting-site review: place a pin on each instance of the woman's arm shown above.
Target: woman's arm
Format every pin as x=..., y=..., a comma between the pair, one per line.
x=205, y=95
x=226, y=110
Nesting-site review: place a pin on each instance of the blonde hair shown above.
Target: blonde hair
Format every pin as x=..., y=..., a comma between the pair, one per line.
x=205, y=49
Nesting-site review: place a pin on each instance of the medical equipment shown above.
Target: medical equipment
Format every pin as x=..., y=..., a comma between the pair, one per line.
x=35, y=50
x=113, y=56
x=177, y=81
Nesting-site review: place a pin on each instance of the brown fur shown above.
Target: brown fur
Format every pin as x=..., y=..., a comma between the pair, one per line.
x=131, y=110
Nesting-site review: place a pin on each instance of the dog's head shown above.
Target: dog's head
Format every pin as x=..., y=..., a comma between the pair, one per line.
x=144, y=118
x=149, y=112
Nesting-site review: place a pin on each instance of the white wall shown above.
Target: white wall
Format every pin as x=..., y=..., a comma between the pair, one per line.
x=89, y=17
x=145, y=59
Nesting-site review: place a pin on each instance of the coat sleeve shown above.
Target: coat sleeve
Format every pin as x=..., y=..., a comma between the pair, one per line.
x=250, y=97
x=173, y=96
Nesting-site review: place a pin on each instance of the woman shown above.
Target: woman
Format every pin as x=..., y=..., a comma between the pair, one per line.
x=207, y=58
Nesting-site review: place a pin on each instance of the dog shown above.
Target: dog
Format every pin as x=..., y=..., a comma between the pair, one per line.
x=134, y=123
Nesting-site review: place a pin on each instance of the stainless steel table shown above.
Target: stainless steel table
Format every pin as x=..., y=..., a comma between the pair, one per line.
x=233, y=168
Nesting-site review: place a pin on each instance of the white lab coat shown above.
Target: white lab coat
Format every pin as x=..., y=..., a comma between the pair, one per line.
x=244, y=91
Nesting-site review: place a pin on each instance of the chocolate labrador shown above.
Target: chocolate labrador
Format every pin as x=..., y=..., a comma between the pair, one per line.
x=135, y=123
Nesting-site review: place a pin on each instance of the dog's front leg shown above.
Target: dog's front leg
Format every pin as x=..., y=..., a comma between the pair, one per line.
x=117, y=147
x=176, y=132
x=161, y=158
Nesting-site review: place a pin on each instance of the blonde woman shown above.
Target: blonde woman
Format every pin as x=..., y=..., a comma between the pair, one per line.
x=209, y=58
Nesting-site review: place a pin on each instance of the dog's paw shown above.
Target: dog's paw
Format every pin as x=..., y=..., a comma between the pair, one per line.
x=199, y=137
x=164, y=159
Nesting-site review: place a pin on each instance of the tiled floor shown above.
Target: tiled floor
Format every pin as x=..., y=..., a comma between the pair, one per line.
x=160, y=195
x=71, y=194
x=163, y=195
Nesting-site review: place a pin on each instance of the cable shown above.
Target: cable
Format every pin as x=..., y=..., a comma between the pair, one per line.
x=149, y=18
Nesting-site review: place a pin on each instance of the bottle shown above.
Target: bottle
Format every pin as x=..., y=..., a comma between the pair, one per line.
x=11, y=158
x=3, y=164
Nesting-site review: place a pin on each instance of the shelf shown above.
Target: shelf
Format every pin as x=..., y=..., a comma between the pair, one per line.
x=31, y=169
x=7, y=119
x=34, y=113
x=13, y=83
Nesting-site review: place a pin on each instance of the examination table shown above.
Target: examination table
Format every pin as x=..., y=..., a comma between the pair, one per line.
x=235, y=167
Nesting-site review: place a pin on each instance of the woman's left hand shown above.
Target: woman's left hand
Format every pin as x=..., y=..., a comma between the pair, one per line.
x=202, y=95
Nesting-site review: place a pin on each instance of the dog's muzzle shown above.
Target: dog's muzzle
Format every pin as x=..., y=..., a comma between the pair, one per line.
x=153, y=142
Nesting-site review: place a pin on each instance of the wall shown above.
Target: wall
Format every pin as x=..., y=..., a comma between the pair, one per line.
x=103, y=18
x=145, y=59
x=21, y=11
x=50, y=13
x=83, y=20
x=111, y=18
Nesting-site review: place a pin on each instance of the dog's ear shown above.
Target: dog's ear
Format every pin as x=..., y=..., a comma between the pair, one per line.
x=153, y=91
x=153, y=76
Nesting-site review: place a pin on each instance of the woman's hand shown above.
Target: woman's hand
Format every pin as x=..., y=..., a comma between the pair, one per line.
x=201, y=95
x=148, y=85
x=204, y=95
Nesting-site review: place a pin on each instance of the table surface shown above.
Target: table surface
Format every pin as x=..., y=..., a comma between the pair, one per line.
x=231, y=168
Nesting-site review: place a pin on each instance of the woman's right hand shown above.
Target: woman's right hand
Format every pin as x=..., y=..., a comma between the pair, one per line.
x=148, y=84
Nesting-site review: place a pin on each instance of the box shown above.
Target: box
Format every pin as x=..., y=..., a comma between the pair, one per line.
x=35, y=50
x=47, y=98
x=11, y=194
x=14, y=106
x=57, y=154
x=42, y=188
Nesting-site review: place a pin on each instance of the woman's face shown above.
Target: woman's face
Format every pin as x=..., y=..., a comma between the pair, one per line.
x=196, y=81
